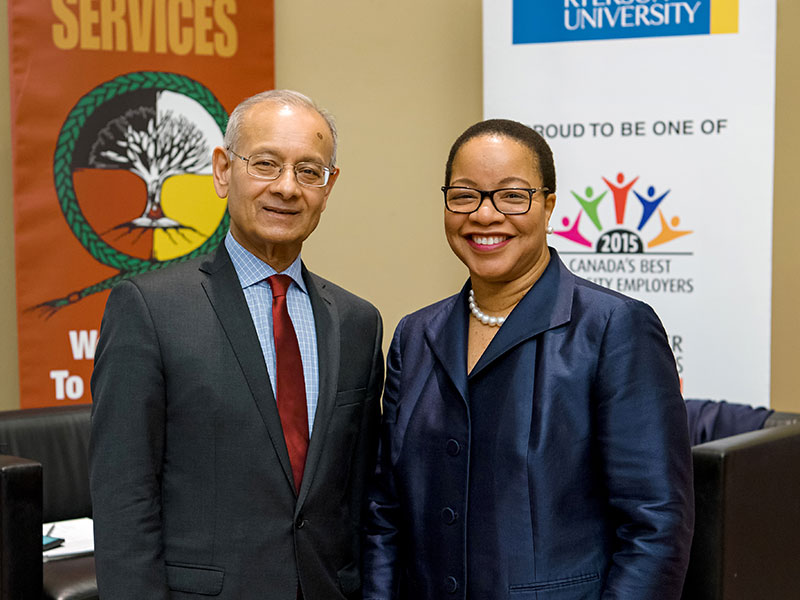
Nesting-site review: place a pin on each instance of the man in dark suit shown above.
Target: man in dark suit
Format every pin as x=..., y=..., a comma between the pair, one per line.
x=235, y=412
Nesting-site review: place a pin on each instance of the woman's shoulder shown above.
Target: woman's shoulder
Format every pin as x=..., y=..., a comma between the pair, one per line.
x=588, y=293
x=591, y=298
x=600, y=293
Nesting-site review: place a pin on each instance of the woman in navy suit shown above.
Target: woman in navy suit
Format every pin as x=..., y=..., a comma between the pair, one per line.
x=534, y=441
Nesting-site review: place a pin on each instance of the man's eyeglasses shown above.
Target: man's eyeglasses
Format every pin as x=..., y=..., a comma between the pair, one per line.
x=264, y=166
x=509, y=201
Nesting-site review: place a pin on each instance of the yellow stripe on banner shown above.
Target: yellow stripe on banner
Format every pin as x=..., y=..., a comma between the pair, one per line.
x=724, y=16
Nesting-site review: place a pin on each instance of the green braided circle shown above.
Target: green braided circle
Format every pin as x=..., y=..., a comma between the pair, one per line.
x=65, y=147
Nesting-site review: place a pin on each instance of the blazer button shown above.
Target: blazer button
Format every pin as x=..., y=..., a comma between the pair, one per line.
x=300, y=522
x=453, y=447
x=451, y=585
x=449, y=516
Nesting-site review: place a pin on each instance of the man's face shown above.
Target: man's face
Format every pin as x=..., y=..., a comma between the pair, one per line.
x=271, y=219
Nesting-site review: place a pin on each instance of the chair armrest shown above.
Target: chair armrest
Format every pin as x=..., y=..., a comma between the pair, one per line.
x=20, y=528
x=747, y=516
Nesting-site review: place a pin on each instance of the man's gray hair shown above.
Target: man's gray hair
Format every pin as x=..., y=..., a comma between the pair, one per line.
x=286, y=97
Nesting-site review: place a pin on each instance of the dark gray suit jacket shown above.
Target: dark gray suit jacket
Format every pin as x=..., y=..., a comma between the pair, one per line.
x=191, y=483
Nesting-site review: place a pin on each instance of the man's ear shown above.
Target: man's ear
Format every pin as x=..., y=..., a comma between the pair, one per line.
x=221, y=168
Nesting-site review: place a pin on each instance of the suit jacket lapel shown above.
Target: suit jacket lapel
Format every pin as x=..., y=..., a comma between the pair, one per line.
x=447, y=336
x=326, y=324
x=548, y=304
x=225, y=294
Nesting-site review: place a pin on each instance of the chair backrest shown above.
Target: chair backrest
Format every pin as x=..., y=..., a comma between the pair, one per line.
x=58, y=438
x=747, y=528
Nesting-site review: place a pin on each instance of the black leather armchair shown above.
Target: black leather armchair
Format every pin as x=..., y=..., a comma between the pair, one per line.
x=51, y=483
x=747, y=502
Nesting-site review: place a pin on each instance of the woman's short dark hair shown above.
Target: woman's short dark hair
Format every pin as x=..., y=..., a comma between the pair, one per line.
x=515, y=131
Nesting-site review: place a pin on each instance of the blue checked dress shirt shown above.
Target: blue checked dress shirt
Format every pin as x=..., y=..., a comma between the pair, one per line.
x=253, y=273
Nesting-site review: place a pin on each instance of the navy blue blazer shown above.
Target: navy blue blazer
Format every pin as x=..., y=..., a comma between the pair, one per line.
x=560, y=467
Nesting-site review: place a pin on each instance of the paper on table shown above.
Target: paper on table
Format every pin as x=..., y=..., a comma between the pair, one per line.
x=78, y=538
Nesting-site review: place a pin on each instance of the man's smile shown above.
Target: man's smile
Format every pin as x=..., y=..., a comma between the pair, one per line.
x=281, y=211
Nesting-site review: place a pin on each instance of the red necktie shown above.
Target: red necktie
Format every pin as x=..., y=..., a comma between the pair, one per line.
x=289, y=385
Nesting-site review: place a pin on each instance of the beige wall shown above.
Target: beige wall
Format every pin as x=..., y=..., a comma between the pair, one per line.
x=9, y=375
x=786, y=241
x=404, y=79
x=401, y=92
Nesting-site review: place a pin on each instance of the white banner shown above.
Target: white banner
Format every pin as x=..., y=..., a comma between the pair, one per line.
x=660, y=114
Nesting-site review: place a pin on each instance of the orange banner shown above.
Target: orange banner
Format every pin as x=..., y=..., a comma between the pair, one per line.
x=116, y=106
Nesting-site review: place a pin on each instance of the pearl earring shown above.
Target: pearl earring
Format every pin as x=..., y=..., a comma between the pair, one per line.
x=549, y=229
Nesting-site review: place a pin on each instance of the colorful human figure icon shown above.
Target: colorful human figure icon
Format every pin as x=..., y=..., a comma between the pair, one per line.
x=572, y=233
x=667, y=233
x=620, y=195
x=590, y=206
x=649, y=204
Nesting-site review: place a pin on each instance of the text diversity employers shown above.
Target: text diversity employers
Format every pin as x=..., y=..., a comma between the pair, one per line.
x=209, y=378
x=534, y=440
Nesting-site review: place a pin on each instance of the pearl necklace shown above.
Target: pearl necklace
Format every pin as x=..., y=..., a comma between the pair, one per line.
x=483, y=318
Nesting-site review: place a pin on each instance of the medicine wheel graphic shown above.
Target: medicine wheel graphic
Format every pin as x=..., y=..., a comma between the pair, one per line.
x=132, y=170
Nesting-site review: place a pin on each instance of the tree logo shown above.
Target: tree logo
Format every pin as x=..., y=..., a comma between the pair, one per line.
x=132, y=170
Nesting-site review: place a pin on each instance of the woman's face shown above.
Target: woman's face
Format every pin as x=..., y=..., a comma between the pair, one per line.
x=499, y=248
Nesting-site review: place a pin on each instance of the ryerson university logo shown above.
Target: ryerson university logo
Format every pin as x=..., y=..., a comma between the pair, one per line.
x=541, y=21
